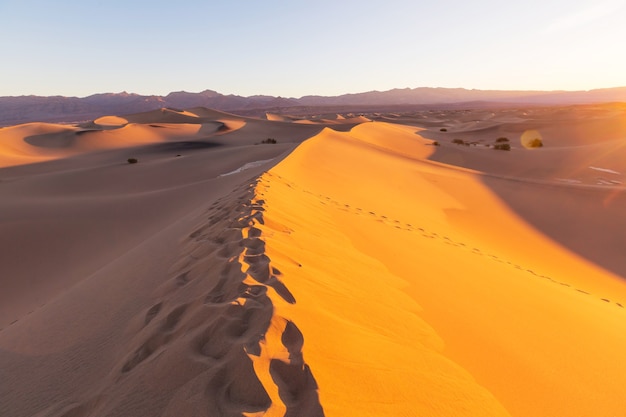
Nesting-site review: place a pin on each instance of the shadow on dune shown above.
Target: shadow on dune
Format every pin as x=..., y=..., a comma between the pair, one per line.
x=582, y=216
x=587, y=221
x=181, y=146
x=54, y=140
x=297, y=387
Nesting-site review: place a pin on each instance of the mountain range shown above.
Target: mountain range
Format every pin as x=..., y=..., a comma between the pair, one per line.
x=22, y=109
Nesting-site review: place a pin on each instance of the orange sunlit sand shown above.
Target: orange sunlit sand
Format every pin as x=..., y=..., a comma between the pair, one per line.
x=399, y=289
x=395, y=267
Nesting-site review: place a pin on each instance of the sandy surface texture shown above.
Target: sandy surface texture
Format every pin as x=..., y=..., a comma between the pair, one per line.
x=179, y=263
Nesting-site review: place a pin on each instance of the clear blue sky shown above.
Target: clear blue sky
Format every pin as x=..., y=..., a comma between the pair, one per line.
x=293, y=48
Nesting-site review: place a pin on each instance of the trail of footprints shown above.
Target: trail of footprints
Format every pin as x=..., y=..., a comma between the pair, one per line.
x=218, y=299
x=424, y=232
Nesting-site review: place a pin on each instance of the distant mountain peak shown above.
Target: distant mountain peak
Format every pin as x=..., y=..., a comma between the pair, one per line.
x=14, y=110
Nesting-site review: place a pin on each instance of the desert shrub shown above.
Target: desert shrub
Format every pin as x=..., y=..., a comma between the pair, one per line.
x=458, y=141
x=535, y=143
x=443, y=129
x=269, y=140
x=132, y=160
x=502, y=147
x=502, y=140
x=435, y=143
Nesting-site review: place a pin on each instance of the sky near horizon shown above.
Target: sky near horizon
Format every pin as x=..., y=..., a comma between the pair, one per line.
x=296, y=48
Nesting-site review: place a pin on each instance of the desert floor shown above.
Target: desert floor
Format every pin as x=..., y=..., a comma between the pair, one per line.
x=362, y=265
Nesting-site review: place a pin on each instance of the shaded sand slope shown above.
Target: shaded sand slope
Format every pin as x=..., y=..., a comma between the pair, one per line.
x=123, y=285
x=419, y=292
x=169, y=328
x=63, y=219
x=577, y=181
x=59, y=227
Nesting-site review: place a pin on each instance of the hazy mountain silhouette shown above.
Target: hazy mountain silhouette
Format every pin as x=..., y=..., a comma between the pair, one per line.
x=23, y=109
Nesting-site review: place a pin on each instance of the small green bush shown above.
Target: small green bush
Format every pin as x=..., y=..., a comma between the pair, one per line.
x=501, y=140
x=435, y=143
x=132, y=160
x=269, y=140
x=458, y=141
x=535, y=143
x=443, y=129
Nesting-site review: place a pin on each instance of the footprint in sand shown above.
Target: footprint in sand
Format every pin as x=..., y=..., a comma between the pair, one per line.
x=173, y=318
x=297, y=387
x=152, y=312
x=182, y=279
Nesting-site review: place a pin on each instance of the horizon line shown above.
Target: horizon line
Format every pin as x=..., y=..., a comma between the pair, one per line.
x=125, y=92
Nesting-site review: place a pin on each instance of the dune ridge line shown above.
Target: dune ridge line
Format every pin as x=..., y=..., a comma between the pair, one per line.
x=407, y=277
x=424, y=231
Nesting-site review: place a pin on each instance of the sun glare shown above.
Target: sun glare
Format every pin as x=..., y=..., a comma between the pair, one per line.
x=531, y=139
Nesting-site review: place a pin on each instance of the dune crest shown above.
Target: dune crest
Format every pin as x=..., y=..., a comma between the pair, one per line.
x=110, y=121
x=452, y=308
x=337, y=119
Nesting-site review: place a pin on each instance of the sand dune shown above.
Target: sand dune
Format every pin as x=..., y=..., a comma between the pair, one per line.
x=575, y=139
x=110, y=121
x=338, y=119
x=37, y=142
x=464, y=320
x=27, y=143
x=279, y=117
x=163, y=115
x=354, y=268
